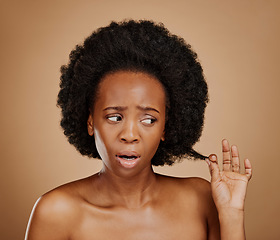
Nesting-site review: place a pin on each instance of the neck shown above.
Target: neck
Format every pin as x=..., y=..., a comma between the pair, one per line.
x=128, y=191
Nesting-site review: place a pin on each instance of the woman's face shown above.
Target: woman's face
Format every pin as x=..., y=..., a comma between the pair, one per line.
x=127, y=121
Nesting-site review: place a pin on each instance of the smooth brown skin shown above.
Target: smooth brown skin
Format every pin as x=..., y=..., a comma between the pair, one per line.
x=134, y=202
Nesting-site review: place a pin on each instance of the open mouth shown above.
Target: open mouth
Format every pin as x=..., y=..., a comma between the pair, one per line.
x=128, y=159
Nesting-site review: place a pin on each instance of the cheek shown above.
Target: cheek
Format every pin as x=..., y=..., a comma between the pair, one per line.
x=152, y=141
x=151, y=148
x=101, y=144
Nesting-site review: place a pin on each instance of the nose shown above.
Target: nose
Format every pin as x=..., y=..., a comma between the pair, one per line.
x=129, y=133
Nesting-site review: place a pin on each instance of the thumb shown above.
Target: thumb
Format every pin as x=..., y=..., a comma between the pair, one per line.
x=213, y=167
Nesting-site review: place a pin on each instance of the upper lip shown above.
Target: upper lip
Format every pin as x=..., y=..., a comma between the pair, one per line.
x=128, y=153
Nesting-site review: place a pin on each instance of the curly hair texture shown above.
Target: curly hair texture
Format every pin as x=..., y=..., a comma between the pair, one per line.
x=142, y=46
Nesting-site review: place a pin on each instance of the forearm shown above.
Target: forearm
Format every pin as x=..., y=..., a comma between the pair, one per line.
x=232, y=225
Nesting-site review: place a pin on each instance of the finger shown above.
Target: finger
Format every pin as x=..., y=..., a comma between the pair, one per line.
x=248, y=169
x=226, y=156
x=213, y=167
x=235, y=159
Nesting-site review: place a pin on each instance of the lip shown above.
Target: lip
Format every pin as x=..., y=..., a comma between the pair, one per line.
x=128, y=163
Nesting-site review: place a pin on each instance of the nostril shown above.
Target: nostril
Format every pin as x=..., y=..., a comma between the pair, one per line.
x=128, y=140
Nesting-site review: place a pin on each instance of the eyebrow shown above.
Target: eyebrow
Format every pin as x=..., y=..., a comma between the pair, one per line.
x=147, y=109
x=121, y=108
x=118, y=108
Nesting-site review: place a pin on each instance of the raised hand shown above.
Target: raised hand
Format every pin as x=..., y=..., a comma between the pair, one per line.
x=229, y=185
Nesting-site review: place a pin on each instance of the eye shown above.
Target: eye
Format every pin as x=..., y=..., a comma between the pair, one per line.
x=148, y=120
x=114, y=118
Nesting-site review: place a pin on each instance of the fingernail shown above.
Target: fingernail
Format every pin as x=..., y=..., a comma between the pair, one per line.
x=208, y=162
x=213, y=157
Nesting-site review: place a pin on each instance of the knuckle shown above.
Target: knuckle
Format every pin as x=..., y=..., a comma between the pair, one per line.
x=226, y=161
x=235, y=165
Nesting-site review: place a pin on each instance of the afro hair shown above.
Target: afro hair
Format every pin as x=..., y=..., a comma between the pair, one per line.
x=142, y=46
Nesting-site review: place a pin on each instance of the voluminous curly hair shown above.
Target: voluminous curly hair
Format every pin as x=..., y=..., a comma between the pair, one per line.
x=142, y=46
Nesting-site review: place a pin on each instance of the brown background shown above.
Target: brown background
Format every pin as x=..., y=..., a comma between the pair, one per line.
x=238, y=45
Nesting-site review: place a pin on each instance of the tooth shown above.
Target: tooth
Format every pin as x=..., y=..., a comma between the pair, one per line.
x=128, y=157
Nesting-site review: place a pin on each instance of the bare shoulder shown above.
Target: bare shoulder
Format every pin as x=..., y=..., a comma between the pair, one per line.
x=193, y=195
x=58, y=202
x=195, y=185
x=56, y=212
x=191, y=191
x=199, y=185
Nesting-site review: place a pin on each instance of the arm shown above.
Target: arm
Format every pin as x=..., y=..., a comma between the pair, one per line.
x=229, y=191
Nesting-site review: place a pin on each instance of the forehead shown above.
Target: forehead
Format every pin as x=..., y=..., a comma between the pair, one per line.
x=126, y=87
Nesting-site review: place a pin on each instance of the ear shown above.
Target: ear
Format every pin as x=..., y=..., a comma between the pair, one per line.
x=90, y=125
x=163, y=136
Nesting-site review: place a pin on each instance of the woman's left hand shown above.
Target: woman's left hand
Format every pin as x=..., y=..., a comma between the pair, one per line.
x=229, y=185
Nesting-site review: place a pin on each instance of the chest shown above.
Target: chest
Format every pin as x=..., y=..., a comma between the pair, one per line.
x=141, y=224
